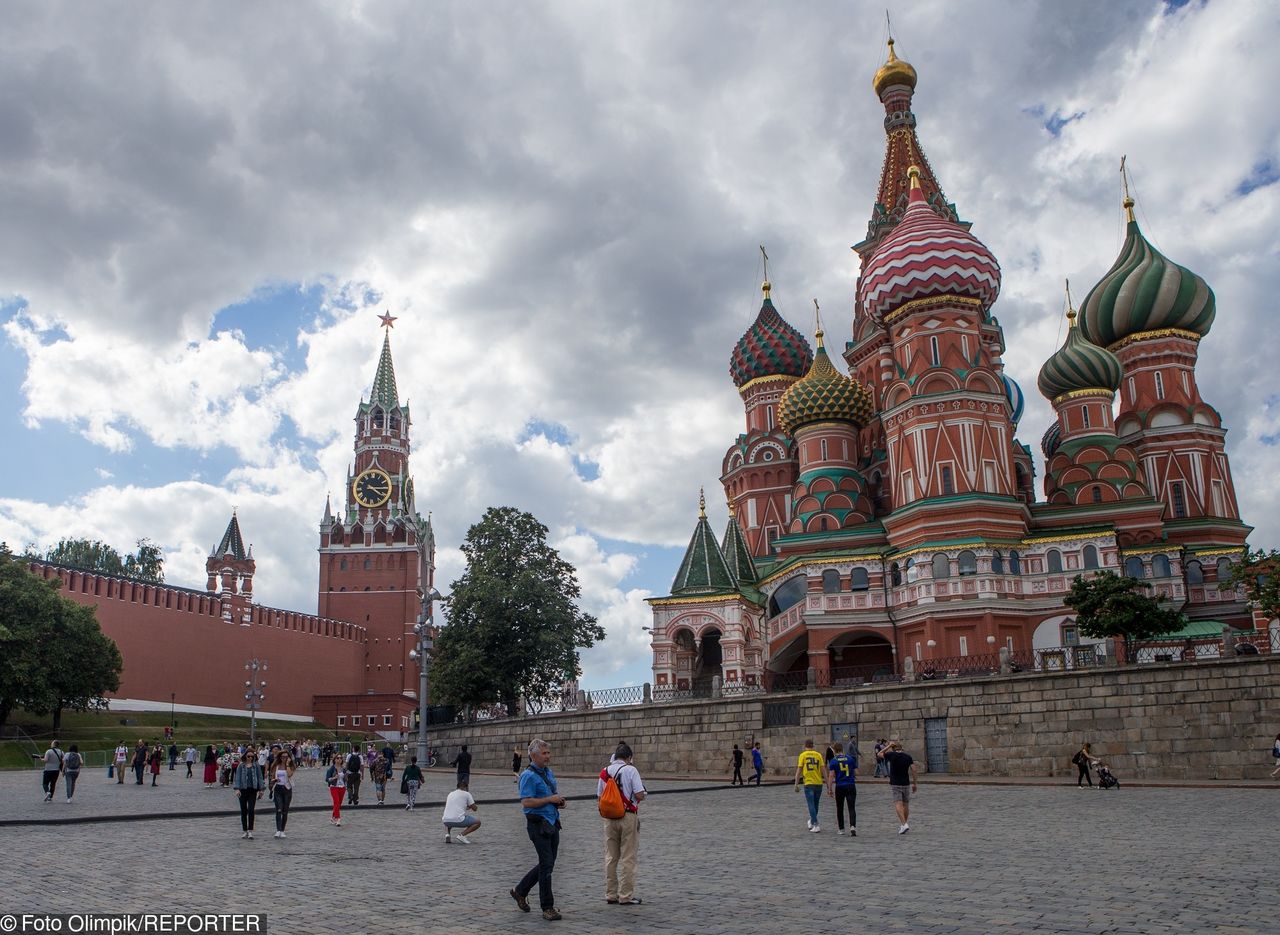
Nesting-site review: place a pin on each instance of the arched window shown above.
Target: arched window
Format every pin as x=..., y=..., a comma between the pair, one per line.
x=342, y=565
x=1097, y=493
x=895, y=574
x=997, y=562
x=789, y=594
x=368, y=564
x=831, y=581
x=1015, y=564
x=1090, y=556
x=1224, y=570
x=968, y=563
x=1160, y=567
x=1055, y=560
x=858, y=580
x=1195, y=573
x=912, y=572
x=941, y=566
x=1134, y=568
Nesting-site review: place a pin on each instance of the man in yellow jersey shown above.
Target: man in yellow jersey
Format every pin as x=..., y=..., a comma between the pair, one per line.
x=811, y=769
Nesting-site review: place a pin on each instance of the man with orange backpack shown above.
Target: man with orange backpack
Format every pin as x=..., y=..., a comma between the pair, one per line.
x=619, y=791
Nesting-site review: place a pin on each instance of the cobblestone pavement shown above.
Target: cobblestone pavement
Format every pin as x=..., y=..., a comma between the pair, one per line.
x=978, y=859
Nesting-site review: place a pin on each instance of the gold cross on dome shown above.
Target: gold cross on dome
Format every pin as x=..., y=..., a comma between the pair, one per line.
x=387, y=320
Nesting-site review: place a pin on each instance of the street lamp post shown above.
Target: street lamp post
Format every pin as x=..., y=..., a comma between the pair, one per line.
x=420, y=654
x=173, y=697
x=253, y=693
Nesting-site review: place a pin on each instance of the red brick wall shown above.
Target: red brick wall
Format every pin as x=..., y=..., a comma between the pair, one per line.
x=174, y=640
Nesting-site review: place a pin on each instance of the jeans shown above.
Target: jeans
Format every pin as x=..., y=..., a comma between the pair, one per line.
x=846, y=794
x=353, y=788
x=137, y=771
x=813, y=795
x=737, y=775
x=546, y=841
x=71, y=783
x=282, y=798
x=189, y=765
x=248, y=803
x=759, y=771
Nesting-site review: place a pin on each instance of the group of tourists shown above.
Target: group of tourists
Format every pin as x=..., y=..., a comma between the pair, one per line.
x=836, y=773
x=55, y=763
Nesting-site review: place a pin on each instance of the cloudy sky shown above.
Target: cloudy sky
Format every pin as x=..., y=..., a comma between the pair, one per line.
x=204, y=206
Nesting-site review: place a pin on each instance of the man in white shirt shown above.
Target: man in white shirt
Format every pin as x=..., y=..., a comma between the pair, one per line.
x=622, y=835
x=456, y=808
x=122, y=757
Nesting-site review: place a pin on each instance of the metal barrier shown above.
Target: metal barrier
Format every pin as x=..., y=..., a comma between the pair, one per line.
x=616, y=697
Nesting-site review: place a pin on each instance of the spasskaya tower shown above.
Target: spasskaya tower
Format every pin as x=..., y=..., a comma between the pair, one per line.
x=377, y=552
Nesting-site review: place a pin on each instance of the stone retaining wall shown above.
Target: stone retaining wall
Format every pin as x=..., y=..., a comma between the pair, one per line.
x=1203, y=720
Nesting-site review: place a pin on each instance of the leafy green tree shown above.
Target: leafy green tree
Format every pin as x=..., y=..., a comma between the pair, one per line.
x=514, y=625
x=53, y=653
x=146, y=563
x=1112, y=606
x=1259, y=574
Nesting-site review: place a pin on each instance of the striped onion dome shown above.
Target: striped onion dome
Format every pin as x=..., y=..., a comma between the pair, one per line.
x=926, y=256
x=1079, y=365
x=1017, y=402
x=824, y=395
x=769, y=348
x=1145, y=291
x=1051, y=440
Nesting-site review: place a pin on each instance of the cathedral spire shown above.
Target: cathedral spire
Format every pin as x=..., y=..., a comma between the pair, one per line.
x=895, y=84
x=384, y=381
x=704, y=569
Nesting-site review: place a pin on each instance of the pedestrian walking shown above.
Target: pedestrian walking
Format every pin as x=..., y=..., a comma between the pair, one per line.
x=122, y=757
x=139, y=762
x=154, y=759
x=541, y=804
x=737, y=767
x=210, y=767
x=881, y=768
x=51, y=765
x=248, y=783
x=902, y=781
x=410, y=782
x=355, y=770
x=757, y=761
x=813, y=772
x=463, y=762
x=173, y=755
x=1275, y=752
x=378, y=775
x=457, y=808
x=622, y=834
x=335, y=776
x=1083, y=760
x=189, y=755
x=515, y=764
x=842, y=784
x=282, y=791
x=71, y=764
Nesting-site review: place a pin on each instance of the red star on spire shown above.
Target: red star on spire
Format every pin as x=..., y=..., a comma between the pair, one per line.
x=387, y=320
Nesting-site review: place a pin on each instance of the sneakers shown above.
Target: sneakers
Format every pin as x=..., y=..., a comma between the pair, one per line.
x=552, y=915
x=633, y=901
x=809, y=824
x=244, y=835
x=816, y=828
x=448, y=839
x=840, y=831
x=521, y=901
x=853, y=832
x=276, y=835
x=249, y=835
x=408, y=808
x=283, y=835
x=463, y=839
x=904, y=829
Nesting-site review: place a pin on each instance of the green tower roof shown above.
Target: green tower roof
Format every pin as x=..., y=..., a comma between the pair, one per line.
x=736, y=554
x=384, y=381
x=704, y=569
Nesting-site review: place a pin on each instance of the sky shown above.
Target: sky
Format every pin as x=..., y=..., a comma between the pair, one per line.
x=205, y=206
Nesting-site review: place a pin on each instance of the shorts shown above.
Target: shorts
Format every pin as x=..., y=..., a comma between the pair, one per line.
x=901, y=793
x=466, y=821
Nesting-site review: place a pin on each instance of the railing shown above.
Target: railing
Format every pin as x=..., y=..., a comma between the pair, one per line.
x=785, y=681
x=952, y=667
x=1058, y=658
x=616, y=697
x=851, y=676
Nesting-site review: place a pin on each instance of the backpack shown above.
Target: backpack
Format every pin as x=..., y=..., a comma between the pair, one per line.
x=71, y=763
x=359, y=764
x=611, y=804
x=1077, y=759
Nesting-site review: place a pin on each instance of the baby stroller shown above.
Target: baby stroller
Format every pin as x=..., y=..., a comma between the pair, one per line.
x=1106, y=778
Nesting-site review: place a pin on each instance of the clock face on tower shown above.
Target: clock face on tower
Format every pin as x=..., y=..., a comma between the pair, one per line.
x=371, y=488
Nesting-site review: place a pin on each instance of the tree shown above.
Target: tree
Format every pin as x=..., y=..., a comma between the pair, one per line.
x=53, y=653
x=1259, y=574
x=146, y=563
x=514, y=625
x=1109, y=605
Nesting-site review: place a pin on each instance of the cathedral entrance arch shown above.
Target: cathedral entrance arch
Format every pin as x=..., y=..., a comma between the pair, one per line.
x=860, y=657
x=709, y=662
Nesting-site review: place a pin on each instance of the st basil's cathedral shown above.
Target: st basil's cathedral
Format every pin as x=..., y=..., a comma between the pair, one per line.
x=888, y=518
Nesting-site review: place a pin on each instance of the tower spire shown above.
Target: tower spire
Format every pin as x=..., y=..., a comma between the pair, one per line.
x=1128, y=199
x=384, y=381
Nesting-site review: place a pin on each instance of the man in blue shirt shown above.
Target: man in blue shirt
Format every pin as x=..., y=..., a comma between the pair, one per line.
x=757, y=761
x=842, y=779
x=541, y=803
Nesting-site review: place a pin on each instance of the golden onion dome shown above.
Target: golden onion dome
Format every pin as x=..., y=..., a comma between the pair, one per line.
x=894, y=71
x=824, y=395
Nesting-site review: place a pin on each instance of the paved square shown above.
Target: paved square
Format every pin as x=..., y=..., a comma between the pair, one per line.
x=979, y=859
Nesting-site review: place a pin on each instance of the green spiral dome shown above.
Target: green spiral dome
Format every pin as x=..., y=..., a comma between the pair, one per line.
x=1145, y=291
x=1079, y=365
x=824, y=394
